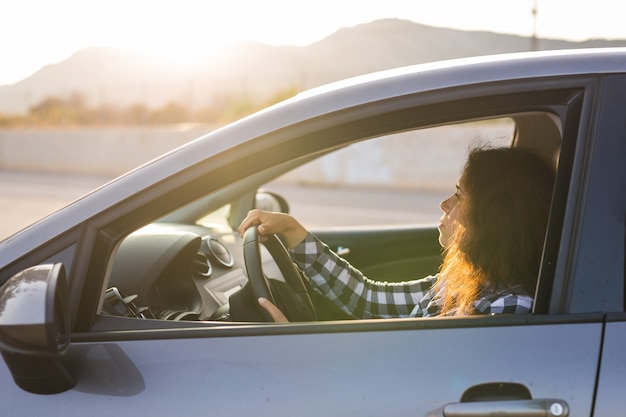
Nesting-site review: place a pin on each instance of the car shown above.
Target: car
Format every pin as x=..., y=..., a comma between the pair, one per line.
x=131, y=300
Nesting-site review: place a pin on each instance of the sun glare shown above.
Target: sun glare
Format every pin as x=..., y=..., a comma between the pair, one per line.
x=181, y=52
x=188, y=31
x=183, y=32
x=179, y=41
x=209, y=27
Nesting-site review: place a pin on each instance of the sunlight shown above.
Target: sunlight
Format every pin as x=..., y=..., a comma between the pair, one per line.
x=181, y=52
x=180, y=41
x=161, y=29
x=186, y=31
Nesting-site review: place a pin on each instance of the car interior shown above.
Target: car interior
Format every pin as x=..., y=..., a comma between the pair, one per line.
x=189, y=266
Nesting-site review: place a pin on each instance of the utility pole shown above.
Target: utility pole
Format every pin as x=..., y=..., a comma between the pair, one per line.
x=534, y=42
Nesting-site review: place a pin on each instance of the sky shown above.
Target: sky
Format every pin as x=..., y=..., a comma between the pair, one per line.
x=34, y=33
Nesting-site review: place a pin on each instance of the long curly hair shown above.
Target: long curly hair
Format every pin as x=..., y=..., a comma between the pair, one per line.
x=499, y=240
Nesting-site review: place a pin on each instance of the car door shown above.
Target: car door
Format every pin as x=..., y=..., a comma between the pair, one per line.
x=412, y=367
x=522, y=365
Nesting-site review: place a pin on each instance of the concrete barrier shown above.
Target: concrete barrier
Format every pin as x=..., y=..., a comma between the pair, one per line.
x=90, y=151
x=414, y=159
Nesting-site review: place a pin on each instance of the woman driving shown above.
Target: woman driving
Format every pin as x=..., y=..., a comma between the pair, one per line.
x=492, y=232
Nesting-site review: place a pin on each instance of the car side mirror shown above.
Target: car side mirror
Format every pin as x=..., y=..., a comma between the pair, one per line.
x=269, y=201
x=35, y=328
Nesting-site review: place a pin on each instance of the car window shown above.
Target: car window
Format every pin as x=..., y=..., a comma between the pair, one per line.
x=375, y=185
x=394, y=179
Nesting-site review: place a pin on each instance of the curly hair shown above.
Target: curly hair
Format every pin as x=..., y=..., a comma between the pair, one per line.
x=499, y=240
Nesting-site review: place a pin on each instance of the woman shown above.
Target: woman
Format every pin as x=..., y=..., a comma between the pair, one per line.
x=492, y=232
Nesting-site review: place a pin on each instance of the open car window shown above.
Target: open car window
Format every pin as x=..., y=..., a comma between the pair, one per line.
x=394, y=179
x=180, y=271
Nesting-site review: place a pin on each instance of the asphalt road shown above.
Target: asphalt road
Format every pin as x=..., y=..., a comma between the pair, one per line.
x=27, y=197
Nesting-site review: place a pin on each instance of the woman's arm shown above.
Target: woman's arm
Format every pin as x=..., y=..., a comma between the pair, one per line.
x=350, y=290
x=333, y=277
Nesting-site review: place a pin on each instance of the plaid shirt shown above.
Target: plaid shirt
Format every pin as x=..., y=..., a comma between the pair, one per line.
x=360, y=297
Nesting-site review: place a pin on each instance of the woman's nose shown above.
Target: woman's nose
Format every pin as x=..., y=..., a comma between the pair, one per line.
x=446, y=204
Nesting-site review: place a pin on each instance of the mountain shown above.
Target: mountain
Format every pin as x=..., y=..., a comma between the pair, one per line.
x=122, y=77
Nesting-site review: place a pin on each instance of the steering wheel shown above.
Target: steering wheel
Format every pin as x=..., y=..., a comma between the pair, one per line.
x=291, y=297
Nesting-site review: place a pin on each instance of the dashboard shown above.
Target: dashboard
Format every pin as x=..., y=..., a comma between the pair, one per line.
x=178, y=272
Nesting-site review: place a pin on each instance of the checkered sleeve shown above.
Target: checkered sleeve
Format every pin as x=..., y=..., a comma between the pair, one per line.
x=345, y=286
x=504, y=303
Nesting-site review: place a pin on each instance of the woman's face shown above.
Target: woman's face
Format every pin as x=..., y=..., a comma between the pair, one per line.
x=451, y=216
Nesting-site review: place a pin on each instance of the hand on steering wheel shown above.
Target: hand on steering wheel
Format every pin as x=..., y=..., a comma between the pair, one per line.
x=291, y=297
x=276, y=314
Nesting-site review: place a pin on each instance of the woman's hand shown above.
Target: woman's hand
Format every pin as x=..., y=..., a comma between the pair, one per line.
x=268, y=223
x=276, y=314
x=282, y=224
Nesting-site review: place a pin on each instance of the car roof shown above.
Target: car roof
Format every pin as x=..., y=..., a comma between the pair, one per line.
x=478, y=69
x=339, y=95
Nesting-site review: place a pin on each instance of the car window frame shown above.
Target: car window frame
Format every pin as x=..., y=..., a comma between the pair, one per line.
x=433, y=107
x=595, y=213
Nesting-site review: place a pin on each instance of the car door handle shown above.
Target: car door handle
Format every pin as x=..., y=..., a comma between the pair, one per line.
x=546, y=407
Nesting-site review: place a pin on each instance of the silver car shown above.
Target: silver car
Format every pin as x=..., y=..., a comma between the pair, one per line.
x=126, y=301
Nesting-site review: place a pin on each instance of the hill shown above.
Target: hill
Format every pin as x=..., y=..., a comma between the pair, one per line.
x=122, y=77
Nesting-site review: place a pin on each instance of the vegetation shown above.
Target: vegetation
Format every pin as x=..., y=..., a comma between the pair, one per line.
x=73, y=111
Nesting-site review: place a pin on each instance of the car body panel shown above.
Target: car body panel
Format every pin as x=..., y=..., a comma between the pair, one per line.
x=304, y=375
x=610, y=400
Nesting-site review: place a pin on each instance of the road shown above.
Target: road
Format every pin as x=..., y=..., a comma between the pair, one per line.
x=27, y=197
